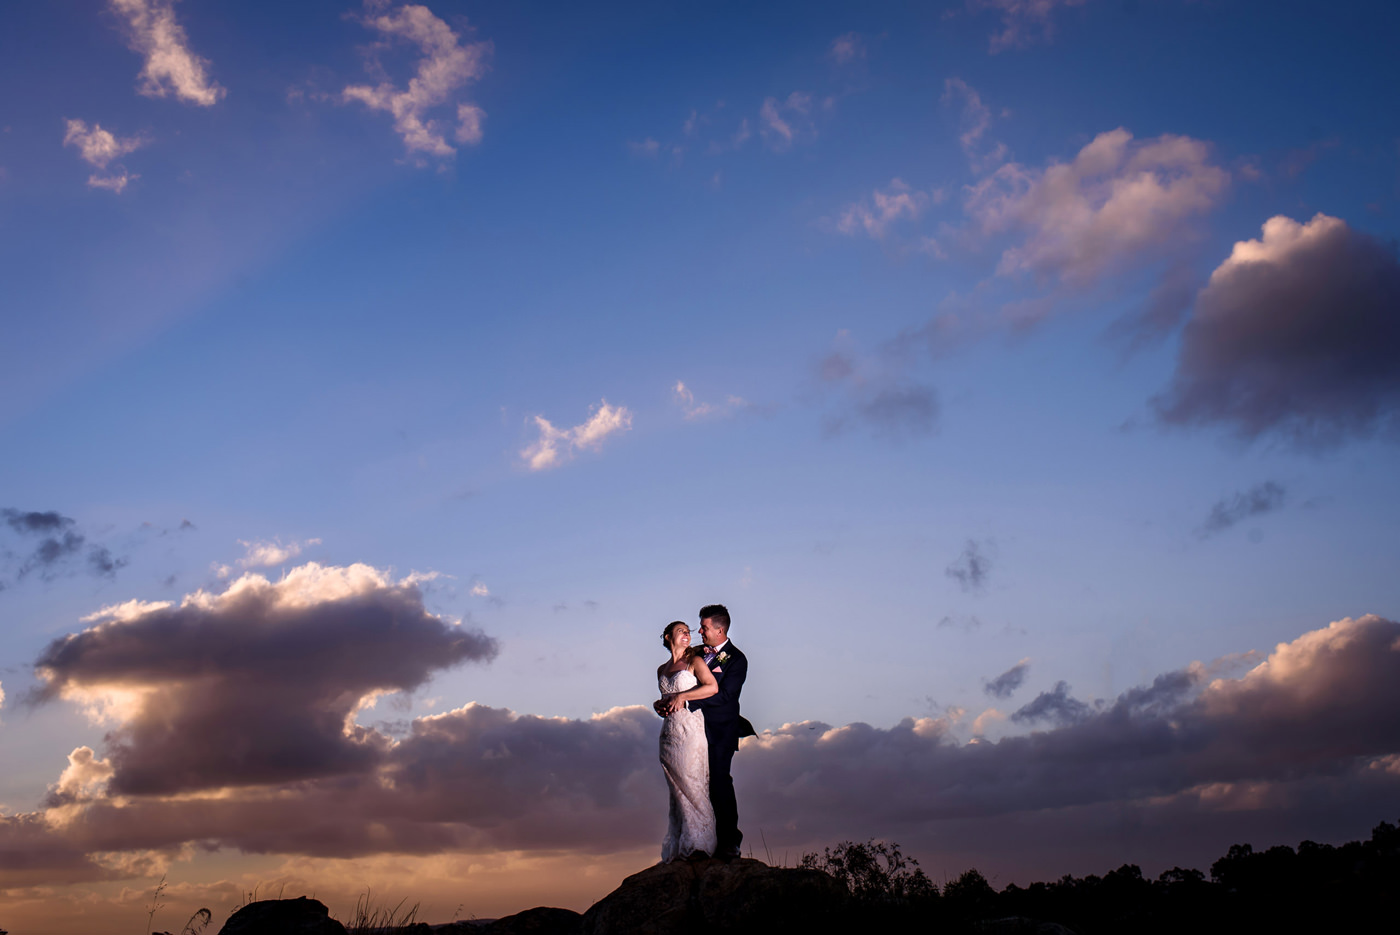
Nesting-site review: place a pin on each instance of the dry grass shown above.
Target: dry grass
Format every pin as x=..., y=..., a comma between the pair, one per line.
x=370, y=919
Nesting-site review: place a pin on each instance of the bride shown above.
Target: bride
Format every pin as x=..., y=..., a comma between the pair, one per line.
x=684, y=752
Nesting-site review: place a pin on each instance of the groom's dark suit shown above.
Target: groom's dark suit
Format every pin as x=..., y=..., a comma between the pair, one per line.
x=723, y=728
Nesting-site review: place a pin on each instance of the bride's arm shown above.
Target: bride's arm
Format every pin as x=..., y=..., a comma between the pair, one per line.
x=707, y=687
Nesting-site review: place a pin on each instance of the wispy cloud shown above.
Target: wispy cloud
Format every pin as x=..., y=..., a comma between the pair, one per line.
x=171, y=67
x=976, y=120
x=971, y=568
x=694, y=411
x=59, y=543
x=847, y=48
x=878, y=394
x=783, y=123
x=1005, y=685
x=556, y=446
x=1056, y=706
x=1023, y=22
x=875, y=215
x=446, y=65
x=99, y=148
x=1258, y=500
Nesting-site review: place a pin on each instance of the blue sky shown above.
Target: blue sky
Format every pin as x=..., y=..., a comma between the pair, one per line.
x=930, y=338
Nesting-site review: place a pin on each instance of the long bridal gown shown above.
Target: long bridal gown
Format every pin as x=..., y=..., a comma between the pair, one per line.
x=686, y=762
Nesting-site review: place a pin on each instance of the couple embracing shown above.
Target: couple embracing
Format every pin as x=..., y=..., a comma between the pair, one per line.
x=700, y=688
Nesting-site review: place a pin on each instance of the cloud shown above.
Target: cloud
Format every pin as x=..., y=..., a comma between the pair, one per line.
x=1055, y=706
x=647, y=147
x=786, y=122
x=170, y=65
x=976, y=119
x=1310, y=732
x=1296, y=335
x=879, y=396
x=1023, y=22
x=271, y=554
x=694, y=411
x=98, y=148
x=1005, y=685
x=873, y=216
x=59, y=541
x=445, y=67
x=258, y=684
x=847, y=48
x=971, y=568
x=555, y=446
x=1118, y=204
x=1258, y=500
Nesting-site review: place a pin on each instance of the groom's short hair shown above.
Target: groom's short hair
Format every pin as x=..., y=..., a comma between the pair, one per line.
x=718, y=613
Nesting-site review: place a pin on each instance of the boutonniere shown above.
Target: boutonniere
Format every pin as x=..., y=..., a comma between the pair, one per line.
x=722, y=658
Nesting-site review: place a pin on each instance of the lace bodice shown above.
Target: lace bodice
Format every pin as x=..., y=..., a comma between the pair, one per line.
x=682, y=681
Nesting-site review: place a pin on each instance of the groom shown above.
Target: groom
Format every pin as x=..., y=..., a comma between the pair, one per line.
x=723, y=725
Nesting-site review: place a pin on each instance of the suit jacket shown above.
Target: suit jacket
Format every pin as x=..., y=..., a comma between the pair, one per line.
x=722, y=718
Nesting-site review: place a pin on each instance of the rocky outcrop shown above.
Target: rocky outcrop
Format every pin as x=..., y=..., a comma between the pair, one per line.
x=300, y=916
x=717, y=897
x=542, y=920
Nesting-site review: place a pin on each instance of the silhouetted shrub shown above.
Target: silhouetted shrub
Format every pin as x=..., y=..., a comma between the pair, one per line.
x=874, y=871
x=1315, y=888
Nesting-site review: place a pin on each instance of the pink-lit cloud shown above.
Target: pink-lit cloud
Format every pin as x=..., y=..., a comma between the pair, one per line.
x=784, y=123
x=1118, y=204
x=847, y=48
x=445, y=66
x=170, y=67
x=554, y=446
x=875, y=215
x=1023, y=22
x=99, y=148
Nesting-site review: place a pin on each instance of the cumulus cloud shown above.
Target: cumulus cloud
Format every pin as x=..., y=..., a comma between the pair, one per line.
x=782, y=123
x=98, y=148
x=1023, y=22
x=59, y=543
x=555, y=446
x=970, y=569
x=847, y=48
x=257, y=684
x=1005, y=685
x=171, y=67
x=446, y=66
x=1312, y=728
x=874, y=216
x=1118, y=204
x=1296, y=335
x=1258, y=500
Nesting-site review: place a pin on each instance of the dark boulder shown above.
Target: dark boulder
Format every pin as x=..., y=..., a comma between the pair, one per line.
x=300, y=916
x=542, y=920
x=717, y=897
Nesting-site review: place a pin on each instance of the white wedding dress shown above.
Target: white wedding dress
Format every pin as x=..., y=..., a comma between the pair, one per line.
x=685, y=758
